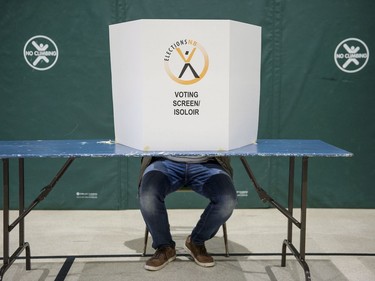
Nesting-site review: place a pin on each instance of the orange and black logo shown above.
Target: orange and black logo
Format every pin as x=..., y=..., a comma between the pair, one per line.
x=186, y=61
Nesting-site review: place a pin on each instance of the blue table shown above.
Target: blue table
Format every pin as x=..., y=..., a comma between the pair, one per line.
x=72, y=149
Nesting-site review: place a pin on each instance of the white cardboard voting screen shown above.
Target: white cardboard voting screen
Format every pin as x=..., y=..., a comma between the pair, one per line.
x=185, y=84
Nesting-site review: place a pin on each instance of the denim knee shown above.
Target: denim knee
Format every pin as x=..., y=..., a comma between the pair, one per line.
x=222, y=192
x=153, y=190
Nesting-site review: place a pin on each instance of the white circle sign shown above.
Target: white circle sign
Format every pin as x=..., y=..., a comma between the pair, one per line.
x=40, y=52
x=351, y=55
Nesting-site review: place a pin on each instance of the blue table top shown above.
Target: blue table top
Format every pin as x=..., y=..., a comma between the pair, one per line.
x=108, y=148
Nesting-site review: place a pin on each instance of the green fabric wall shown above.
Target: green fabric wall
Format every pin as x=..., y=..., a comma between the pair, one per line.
x=303, y=95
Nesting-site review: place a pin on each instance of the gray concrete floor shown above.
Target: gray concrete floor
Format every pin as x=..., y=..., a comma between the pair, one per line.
x=106, y=245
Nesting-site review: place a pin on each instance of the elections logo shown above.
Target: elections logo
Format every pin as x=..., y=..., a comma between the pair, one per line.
x=351, y=55
x=40, y=52
x=186, y=61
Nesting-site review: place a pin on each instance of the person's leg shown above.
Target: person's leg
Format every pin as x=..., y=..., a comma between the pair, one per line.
x=152, y=192
x=219, y=189
x=157, y=182
x=160, y=178
x=211, y=181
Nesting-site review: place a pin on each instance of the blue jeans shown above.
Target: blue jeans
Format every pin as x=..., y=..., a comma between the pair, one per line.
x=163, y=177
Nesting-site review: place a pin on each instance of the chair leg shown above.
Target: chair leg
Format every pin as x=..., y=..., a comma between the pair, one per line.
x=145, y=242
x=225, y=239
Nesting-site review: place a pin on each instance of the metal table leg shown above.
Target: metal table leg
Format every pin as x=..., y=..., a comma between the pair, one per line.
x=299, y=255
x=5, y=218
x=8, y=260
x=7, y=228
x=290, y=209
x=22, y=244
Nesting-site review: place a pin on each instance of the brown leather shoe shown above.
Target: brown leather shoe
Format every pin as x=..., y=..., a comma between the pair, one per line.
x=161, y=258
x=199, y=253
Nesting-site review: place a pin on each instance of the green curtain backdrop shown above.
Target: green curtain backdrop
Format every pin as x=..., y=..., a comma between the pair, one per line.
x=304, y=95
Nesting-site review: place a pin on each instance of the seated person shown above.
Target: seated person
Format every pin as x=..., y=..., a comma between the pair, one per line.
x=210, y=177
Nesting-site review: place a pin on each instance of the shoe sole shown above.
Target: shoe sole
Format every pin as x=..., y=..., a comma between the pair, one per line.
x=155, y=268
x=206, y=264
